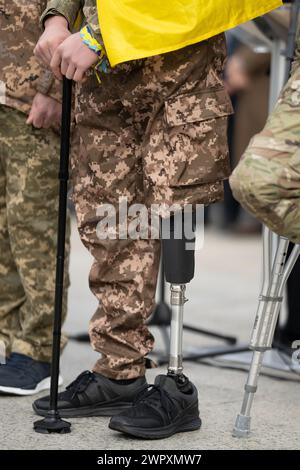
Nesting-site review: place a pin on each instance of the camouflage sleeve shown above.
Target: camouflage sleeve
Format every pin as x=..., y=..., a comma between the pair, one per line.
x=67, y=8
x=48, y=85
x=70, y=9
x=91, y=16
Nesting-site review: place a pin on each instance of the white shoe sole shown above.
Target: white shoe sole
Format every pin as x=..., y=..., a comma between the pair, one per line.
x=43, y=385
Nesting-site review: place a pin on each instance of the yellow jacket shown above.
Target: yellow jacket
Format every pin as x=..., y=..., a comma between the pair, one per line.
x=133, y=29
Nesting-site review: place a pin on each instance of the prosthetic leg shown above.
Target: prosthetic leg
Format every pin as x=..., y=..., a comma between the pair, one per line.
x=179, y=263
x=275, y=268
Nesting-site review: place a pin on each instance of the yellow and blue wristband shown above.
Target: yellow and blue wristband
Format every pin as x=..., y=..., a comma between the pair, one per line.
x=88, y=39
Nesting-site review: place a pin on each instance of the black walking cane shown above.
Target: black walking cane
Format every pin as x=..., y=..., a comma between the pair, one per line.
x=53, y=422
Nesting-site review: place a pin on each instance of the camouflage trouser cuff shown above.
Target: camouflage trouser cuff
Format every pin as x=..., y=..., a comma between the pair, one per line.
x=133, y=372
x=38, y=353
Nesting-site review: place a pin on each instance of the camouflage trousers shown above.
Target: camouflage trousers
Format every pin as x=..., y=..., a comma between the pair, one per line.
x=153, y=131
x=267, y=180
x=28, y=229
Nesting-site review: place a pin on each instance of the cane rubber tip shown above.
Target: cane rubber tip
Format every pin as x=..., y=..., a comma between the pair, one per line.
x=52, y=424
x=242, y=426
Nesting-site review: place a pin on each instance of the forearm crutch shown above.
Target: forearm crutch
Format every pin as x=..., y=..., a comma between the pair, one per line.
x=276, y=271
x=53, y=422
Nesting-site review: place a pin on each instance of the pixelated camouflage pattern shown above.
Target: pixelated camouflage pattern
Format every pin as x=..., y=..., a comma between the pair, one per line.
x=153, y=131
x=21, y=75
x=267, y=180
x=29, y=161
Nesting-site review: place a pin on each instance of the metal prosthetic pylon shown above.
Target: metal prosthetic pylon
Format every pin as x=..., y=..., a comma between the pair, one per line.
x=177, y=301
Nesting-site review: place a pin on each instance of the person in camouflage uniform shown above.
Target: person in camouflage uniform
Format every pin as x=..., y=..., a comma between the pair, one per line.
x=267, y=180
x=29, y=159
x=153, y=131
x=266, y=183
x=149, y=170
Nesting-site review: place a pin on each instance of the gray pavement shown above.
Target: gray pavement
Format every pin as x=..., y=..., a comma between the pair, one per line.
x=223, y=297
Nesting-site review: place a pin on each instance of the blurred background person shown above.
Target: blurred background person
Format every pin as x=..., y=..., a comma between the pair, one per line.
x=247, y=78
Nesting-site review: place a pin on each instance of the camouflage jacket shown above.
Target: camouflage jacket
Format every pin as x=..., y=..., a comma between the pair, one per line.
x=70, y=9
x=21, y=75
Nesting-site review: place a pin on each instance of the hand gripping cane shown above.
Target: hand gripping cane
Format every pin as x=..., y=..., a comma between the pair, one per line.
x=53, y=422
x=276, y=272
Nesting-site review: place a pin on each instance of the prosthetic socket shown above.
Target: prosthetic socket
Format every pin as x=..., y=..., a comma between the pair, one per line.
x=178, y=251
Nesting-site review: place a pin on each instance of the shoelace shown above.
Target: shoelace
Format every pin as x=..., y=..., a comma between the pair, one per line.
x=81, y=382
x=149, y=393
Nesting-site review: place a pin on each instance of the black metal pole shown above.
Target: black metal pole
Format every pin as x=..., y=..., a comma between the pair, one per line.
x=53, y=422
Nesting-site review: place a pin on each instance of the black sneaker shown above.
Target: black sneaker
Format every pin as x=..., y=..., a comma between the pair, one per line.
x=163, y=409
x=92, y=394
x=22, y=375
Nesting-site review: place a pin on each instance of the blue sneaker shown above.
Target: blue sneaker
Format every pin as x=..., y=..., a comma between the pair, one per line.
x=22, y=375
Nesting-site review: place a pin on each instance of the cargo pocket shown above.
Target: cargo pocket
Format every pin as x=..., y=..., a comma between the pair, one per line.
x=196, y=137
